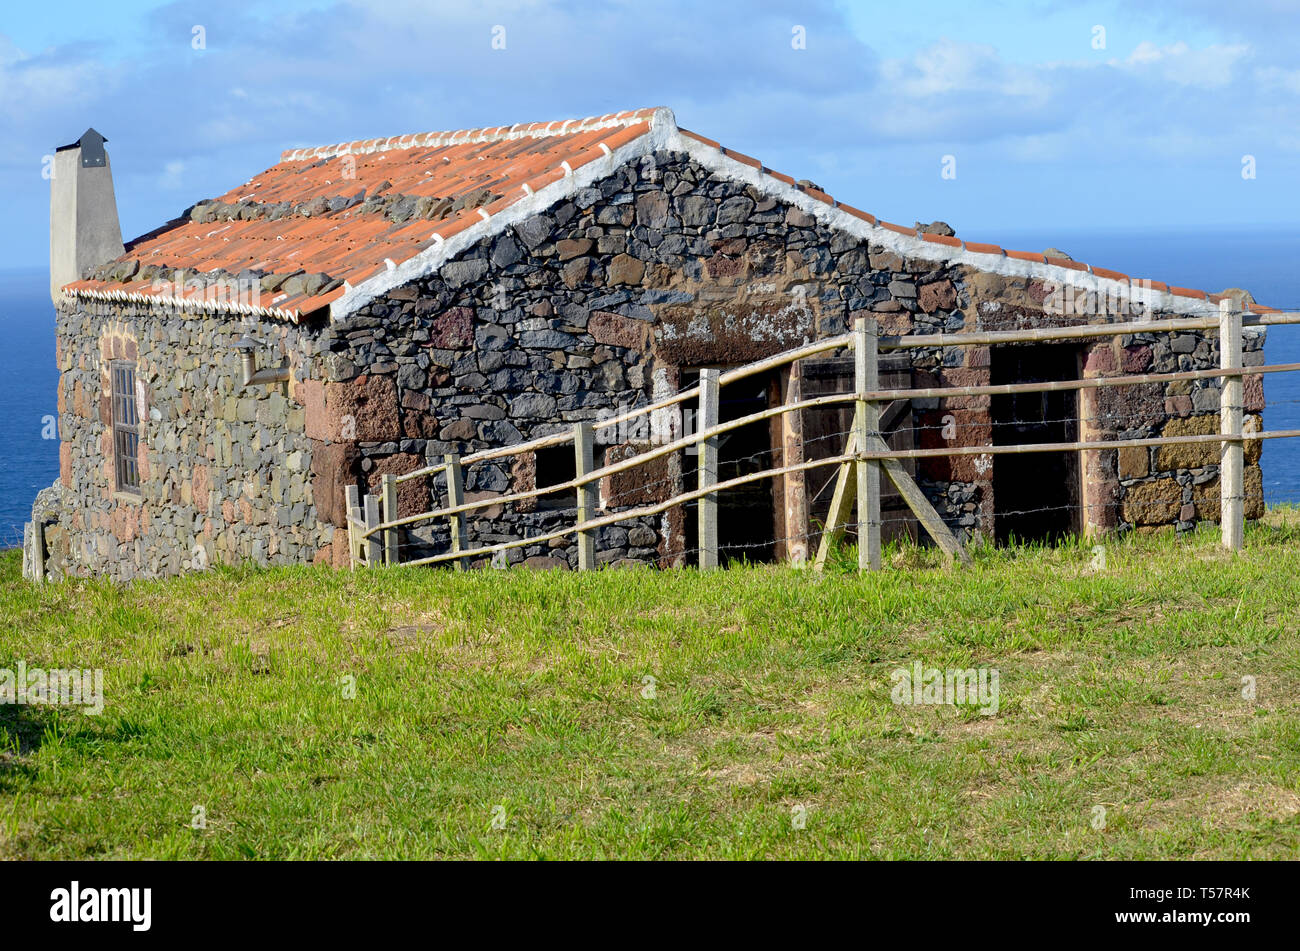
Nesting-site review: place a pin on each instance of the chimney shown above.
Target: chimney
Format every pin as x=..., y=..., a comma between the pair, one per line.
x=84, y=229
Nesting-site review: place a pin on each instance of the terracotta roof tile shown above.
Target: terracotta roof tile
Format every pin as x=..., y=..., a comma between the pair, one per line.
x=548, y=177
x=457, y=225
x=575, y=162
x=1187, y=292
x=699, y=138
x=366, y=272
x=978, y=248
x=941, y=239
x=858, y=213
x=743, y=158
x=306, y=305
x=897, y=228
x=1027, y=256
x=413, y=231
x=1109, y=274
x=1062, y=262
x=626, y=135
x=353, y=245
x=501, y=204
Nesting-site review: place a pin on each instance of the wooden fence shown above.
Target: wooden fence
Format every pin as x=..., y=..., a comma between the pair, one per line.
x=374, y=526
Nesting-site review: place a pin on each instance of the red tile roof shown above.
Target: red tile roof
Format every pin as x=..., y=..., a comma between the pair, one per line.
x=453, y=180
x=356, y=211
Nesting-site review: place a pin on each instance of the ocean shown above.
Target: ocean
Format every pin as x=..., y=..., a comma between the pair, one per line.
x=28, y=397
x=1264, y=262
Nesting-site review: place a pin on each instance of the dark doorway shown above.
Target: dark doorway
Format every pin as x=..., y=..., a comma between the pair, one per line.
x=746, y=514
x=1036, y=495
x=826, y=428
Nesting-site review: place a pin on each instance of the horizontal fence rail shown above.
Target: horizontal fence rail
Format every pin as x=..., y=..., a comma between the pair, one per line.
x=1072, y=446
x=655, y=509
x=374, y=526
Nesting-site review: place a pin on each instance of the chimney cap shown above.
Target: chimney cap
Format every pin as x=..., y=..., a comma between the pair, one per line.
x=91, y=144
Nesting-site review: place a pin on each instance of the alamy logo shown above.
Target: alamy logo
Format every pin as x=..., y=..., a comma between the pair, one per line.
x=1129, y=300
x=930, y=685
x=72, y=688
x=103, y=905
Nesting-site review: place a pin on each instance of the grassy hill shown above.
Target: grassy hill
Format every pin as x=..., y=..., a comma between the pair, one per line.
x=508, y=714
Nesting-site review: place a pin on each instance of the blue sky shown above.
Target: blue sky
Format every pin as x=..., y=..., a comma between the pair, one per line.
x=1050, y=130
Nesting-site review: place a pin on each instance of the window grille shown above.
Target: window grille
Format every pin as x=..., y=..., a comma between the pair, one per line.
x=126, y=429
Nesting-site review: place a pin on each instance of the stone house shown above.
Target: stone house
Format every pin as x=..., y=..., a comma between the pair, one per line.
x=363, y=308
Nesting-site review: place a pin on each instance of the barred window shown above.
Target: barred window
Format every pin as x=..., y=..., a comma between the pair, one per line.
x=126, y=431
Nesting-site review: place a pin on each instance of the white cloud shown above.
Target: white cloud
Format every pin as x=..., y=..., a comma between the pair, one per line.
x=1277, y=79
x=1209, y=67
x=33, y=86
x=173, y=175
x=949, y=67
x=9, y=52
x=961, y=91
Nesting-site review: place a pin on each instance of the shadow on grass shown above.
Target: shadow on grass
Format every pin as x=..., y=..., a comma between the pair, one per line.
x=23, y=729
x=26, y=728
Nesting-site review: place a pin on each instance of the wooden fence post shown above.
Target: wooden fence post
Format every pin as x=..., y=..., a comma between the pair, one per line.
x=455, y=497
x=388, y=489
x=584, y=462
x=354, y=516
x=1232, y=451
x=866, y=420
x=38, y=551
x=374, y=548
x=793, y=495
x=706, y=419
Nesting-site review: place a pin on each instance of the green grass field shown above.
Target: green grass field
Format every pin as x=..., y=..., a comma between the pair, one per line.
x=519, y=700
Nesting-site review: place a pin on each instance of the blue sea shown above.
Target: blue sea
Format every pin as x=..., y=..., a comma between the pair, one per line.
x=1267, y=263
x=28, y=395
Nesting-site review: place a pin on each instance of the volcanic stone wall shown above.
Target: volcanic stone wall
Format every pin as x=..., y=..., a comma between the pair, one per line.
x=1143, y=489
x=223, y=469
x=600, y=303
x=581, y=313
x=576, y=314
x=1177, y=484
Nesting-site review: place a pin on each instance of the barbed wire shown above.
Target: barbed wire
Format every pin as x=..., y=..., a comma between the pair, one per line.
x=641, y=488
x=953, y=520
x=425, y=548
x=550, y=511
x=854, y=527
x=629, y=495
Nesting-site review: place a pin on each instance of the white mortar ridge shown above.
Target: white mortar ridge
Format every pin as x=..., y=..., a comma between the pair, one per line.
x=190, y=304
x=534, y=130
